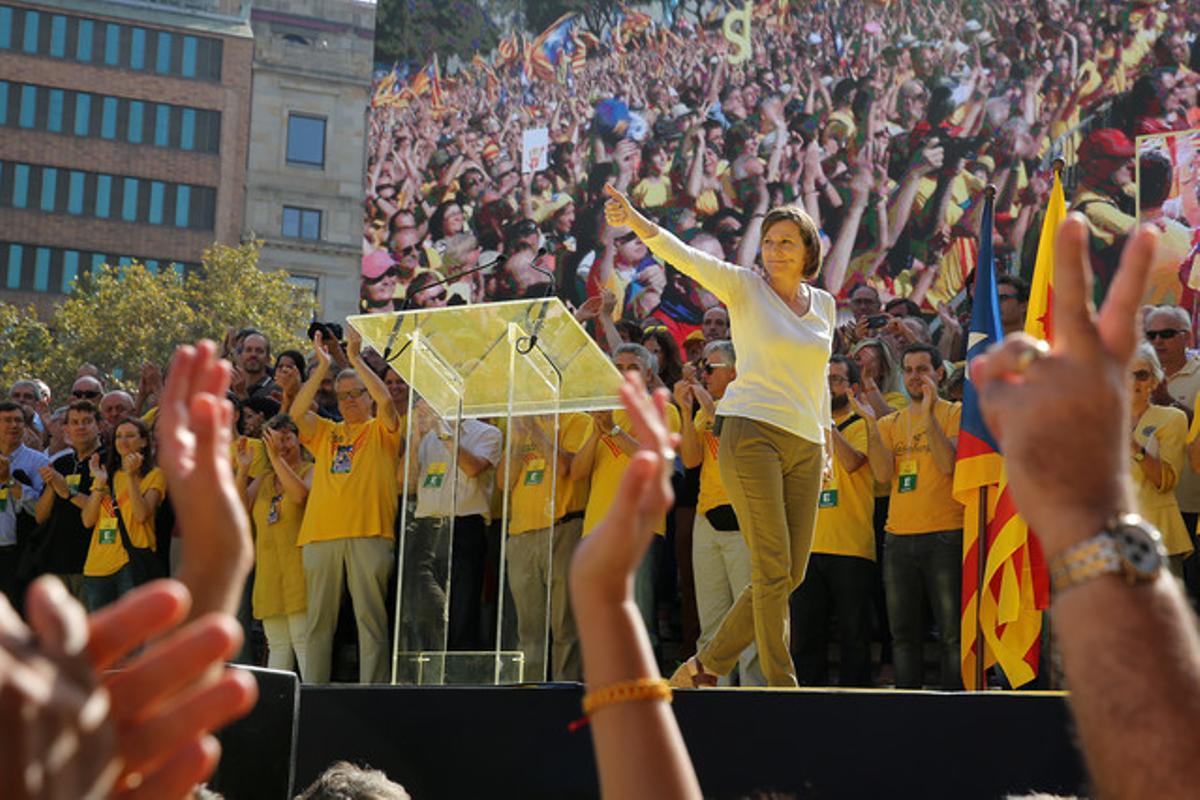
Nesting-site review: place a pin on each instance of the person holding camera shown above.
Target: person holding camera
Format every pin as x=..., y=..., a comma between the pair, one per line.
x=773, y=423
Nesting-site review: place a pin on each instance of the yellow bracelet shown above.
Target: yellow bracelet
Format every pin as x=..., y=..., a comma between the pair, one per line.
x=625, y=692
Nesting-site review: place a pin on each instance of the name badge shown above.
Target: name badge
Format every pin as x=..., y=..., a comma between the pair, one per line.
x=342, y=459
x=829, y=499
x=536, y=472
x=436, y=475
x=273, y=509
x=3, y=499
x=908, y=477
x=108, y=530
x=73, y=483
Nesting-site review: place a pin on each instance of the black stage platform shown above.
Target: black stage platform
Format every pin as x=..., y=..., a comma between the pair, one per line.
x=468, y=742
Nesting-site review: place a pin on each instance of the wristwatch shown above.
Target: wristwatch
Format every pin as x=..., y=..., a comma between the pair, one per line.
x=1128, y=545
x=615, y=431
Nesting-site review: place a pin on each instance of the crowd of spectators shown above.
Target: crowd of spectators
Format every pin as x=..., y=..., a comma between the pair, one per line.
x=884, y=122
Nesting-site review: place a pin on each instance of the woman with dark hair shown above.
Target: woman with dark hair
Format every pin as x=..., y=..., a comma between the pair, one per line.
x=128, y=501
x=448, y=220
x=662, y=346
x=773, y=423
x=290, y=372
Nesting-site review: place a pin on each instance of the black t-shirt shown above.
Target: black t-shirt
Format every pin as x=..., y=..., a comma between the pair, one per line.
x=68, y=549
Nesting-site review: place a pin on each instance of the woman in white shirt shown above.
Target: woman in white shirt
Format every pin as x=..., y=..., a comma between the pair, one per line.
x=774, y=421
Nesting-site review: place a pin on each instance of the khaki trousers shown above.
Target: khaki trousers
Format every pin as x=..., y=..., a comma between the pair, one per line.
x=366, y=563
x=773, y=479
x=534, y=568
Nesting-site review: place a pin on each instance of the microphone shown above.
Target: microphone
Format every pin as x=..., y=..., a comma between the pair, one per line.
x=536, y=328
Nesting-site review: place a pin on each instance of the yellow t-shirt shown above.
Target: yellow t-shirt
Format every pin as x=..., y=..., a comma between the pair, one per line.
x=1162, y=431
x=354, y=491
x=106, y=555
x=529, y=499
x=921, y=496
x=259, y=463
x=278, y=562
x=609, y=466
x=652, y=192
x=846, y=509
x=712, y=490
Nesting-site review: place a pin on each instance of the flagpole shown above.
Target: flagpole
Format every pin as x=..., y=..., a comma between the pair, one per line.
x=981, y=548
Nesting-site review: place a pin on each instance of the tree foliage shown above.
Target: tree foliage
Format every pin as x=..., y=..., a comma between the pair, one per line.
x=411, y=31
x=119, y=318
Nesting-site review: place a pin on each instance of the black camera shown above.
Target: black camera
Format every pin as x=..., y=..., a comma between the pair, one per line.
x=329, y=330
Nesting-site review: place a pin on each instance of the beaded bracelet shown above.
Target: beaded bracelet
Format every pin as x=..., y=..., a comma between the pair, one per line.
x=626, y=692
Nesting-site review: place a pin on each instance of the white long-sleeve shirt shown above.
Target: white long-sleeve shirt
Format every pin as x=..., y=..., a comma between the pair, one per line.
x=782, y=358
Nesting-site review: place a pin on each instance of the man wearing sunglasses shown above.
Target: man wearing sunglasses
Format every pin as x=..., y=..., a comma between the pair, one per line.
x=87, y=388
x=1168, y=330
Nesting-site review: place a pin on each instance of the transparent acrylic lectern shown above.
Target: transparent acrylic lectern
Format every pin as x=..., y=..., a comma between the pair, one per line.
x=493, y=390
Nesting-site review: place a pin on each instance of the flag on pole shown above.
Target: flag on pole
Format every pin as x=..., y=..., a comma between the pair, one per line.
x=978, y=465
x=1039, y=322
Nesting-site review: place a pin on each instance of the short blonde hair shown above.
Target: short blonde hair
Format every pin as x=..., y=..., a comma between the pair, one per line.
x=809, y=234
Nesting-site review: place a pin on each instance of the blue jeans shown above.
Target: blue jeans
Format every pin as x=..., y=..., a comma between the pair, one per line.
x=100, y=590
x=916, y=567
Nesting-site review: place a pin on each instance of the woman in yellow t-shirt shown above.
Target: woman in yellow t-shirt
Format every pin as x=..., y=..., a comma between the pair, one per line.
x=276, y=501
x=137, y=488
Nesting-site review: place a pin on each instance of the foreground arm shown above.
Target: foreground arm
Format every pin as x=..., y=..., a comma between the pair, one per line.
x=1131, y=653
x=639, y=750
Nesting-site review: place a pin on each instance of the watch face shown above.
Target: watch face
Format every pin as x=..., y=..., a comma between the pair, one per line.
x=1140, y=545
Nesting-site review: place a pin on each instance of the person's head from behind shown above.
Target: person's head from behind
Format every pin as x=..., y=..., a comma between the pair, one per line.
x=345, y=781
x=632, y=357
x=715, y=324
x=1154, y=182
x=921, y=364
x=718, y=367
x=131, y=436
x=353, y=400
x=83, y=425
x=844, y=380
x=791, y=245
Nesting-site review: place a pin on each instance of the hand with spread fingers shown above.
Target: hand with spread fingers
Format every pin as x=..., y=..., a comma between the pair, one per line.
x=1060, y=414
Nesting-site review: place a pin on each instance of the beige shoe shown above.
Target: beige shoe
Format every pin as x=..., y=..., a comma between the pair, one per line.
x=692, y=675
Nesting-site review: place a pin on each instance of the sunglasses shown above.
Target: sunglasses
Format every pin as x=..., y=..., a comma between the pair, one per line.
x=352, y=394
x=1169, y=333
x=708, y=368
x=412, y=249
x=390, y=273
x=85, y=394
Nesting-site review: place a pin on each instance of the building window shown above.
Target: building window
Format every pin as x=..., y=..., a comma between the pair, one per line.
x=83, y=109
x=162, y=63
x=20, y=195
x=162, y=125
x=49, y=187
x=30, y=42
x=187, y=129
x=158, y=193
x=104, y=186
x=6, y=27
x=54, y=113
x=83, y=42
x=58, y=36
x=301, y=223
x=108, y=118
x=16, y=255
x=130, y=200
x=183, y=196
x=188, y=66
x=3, y=102
x=70, y=269
x=41, y=269
x=137, y=49
x=75, y=194
x=136, y=112
x=306, y=140
x=112, y=44
x=28, y=106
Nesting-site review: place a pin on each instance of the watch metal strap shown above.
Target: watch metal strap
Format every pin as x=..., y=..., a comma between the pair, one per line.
x=1084, y=561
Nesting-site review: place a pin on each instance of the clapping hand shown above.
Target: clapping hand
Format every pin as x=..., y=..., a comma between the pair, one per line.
x=99, y=473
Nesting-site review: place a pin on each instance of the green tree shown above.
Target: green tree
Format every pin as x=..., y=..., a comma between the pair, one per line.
x=119, y=318
x=411, y=31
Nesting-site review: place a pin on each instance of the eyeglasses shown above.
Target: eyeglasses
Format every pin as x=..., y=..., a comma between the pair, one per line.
x=412, y=249
x=837, y=379
x=1141, y=375
x=1169, y=333
x=84, y=394
x=351, y=394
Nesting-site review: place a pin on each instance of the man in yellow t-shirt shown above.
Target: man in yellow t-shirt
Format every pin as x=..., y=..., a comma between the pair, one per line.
x=840, y=581
x=913, y=451
x=605, y=455
x=347, y=531
x=536, y=553
x=720, y=557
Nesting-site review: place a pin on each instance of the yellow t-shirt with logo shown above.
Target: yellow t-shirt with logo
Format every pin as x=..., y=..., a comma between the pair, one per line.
x=106, y=555
x=846, y=509
x=712, y=490
x=354, y=492
x=921, y=496
x=529, y=499
x=609, y=466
